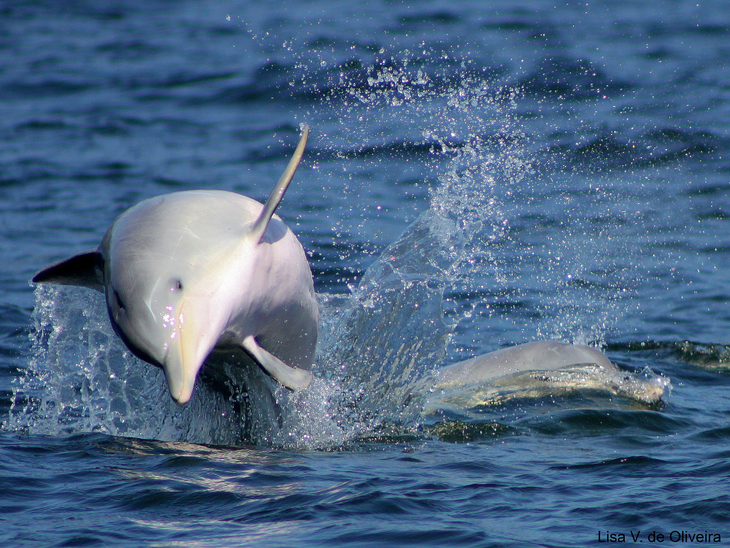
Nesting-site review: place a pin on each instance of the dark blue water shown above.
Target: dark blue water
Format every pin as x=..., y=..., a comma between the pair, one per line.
x=539, y=170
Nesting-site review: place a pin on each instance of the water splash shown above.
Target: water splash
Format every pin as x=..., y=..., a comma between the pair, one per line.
x=81, y=378
x=380, y=344
x=466, y=131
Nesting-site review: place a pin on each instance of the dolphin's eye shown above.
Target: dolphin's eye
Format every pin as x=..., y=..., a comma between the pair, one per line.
x=117, y=298
x=176, y=285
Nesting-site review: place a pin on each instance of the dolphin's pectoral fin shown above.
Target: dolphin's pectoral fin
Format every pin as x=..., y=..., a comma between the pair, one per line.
x=291, y=377
x=84, y=269
x=259, y=226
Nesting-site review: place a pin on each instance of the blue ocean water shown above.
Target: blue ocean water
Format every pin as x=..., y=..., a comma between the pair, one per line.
x=479, y=174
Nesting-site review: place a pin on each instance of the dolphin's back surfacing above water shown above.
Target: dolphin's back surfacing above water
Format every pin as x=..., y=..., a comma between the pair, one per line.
x=190, y=272
x=535, y=356
x=537, y=369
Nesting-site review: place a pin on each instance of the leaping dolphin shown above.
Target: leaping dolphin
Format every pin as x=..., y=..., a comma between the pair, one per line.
x=189, y=272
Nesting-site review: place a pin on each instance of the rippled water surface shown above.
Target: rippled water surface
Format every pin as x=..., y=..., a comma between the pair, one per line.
x=478, y=174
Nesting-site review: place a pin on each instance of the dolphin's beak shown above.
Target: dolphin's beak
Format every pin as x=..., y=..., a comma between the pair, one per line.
x=185, y=356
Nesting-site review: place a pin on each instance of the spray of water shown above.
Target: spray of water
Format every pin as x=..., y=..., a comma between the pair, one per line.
x=81, y=378
x=380, y=344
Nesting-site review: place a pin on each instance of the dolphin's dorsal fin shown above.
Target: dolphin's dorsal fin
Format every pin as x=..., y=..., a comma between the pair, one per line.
x=84, y=269
x=293, y=378
x=259, y=227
